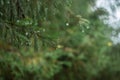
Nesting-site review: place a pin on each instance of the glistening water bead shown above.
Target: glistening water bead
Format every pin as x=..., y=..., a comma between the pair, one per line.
x=83, y=31
x=67, y=24
x=87, y=27
x=26, y=33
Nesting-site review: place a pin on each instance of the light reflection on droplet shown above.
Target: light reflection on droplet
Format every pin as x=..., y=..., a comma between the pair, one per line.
x=87, y=27
x=38, y=31
x=26, y=33
x=67, y=24
x=18, y=21
x=43, y=30
x=8, y=2
x=83, y=31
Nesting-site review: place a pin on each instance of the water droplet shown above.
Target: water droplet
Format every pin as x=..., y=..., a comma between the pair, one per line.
x=38, y=31
x=87, y=27
x=43, y=30
x=8, y=2
x=67, y=24
x=59, y=46
x=83, y=31
x=26, y=33
x=18, y=21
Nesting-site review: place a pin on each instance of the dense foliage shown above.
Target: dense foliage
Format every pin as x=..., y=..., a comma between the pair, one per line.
x=54, y=40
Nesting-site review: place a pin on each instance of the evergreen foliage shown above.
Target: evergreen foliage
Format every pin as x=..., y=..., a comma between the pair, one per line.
x=54, y=40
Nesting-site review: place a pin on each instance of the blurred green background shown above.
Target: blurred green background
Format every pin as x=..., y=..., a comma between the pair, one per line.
x=56, y=40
